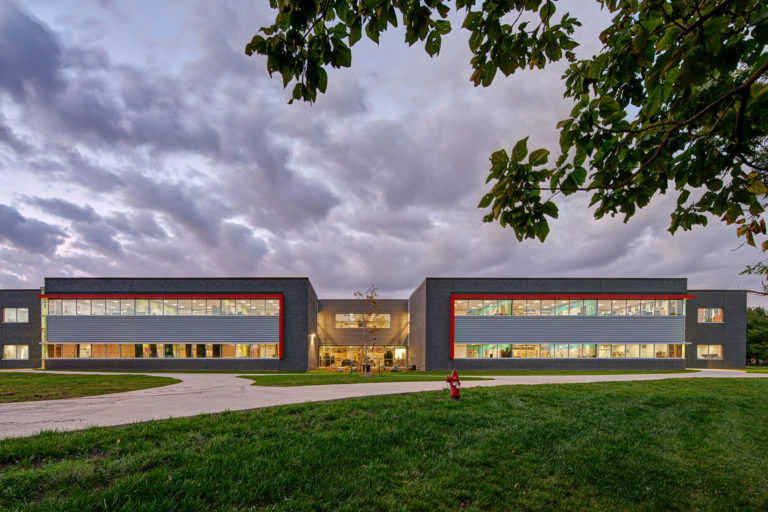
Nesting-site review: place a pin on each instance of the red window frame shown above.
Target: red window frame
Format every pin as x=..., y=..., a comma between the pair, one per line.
x=278, y=296
x=455, y=296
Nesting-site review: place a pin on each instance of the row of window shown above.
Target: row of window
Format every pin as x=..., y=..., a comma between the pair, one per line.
x=568, y=307
x=352, y=356
x=15, y=351
x=163, y=307
x=569, y=350
x=15, y=315
x=354, y=320
x=153, y=351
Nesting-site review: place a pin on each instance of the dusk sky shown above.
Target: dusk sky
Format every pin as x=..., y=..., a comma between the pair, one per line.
x=137, y=139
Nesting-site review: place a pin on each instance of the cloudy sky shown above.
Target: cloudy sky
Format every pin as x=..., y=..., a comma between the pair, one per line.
x=137, y=139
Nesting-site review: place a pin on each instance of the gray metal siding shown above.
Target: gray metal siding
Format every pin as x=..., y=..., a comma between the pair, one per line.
x=396, y=334
x=163, y=329
x=569, y=329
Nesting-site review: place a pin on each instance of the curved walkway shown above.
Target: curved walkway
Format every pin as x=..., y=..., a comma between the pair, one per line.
x=211, y=393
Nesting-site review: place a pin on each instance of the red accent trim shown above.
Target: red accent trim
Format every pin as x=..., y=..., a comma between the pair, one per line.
x=547, y=296
x=568, y=296
x=161, y=296
x=453, y=312
x=280, y=330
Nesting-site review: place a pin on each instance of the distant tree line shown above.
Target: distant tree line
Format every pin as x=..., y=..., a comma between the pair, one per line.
x=757, y=336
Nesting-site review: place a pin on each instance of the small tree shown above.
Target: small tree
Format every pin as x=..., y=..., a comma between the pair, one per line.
x=368, y=307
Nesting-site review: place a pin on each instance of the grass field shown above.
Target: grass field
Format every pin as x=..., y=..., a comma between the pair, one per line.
x=756, y=370
x=321, y=378
x=315, y=379
x=24, y=387
x=691, y=444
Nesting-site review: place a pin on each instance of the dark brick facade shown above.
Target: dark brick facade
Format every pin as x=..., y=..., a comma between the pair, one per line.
x=21, y=333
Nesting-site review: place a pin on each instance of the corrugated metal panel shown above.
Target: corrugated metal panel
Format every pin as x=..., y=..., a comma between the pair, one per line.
x=564, y=329
x=163, y=329
x=396, y=334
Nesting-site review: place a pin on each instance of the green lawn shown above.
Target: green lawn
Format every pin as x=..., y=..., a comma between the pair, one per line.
x=756, y=370
x=315, y=379
x=690, y=444
x=24, y=387
x=555, y=372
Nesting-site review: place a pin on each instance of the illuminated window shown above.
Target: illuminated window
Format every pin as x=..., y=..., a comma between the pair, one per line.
x=710, y=315
x=709, y=352
x=15, y=315
x=15, y=351
x=354, y=320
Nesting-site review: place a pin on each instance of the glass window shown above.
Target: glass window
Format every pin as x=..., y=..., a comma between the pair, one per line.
x=660, y=309
x=710, y=315
x=474, y=351
x=646, y=350
x=98, y=307
x=459, y=307
x=258, y=307
x=709, y=351
x=198, y=308
x=83, y=307
x=577, y=307
x=272, y=307
x=647, y=307
x=459, y=351
x=676, y=350
x=505, y=307
x=54, y=307
x=633, y=307
x=490, y=351
x=156, y=307
x=490, y=307
x=546, y=350
x=141, y=307
x=170, y=307
x=662, y=350
x=243, y=307
x=561, y=307
x=617, y=350
x=185, y=307
x=518, y=307
x=505, y=350
x=474, y=307
x=269, y=350
x=127, y=307
x=633, y=350
x=618, y=307
x=84, y=351
x=168, y=351
x=547, y=307
x=675, y=307
x=242, y=351
x=603, y=307
x=532, y=307
x=11, y=315
x=603, y=351
x=590, y=307
x=68, y=307
x=15, y=351
x=113, y=306
x=588, y=350
x=574, y=350
x=561, y=350
x=228, y=307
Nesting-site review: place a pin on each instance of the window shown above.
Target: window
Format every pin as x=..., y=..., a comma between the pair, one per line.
x=604, y=307
x=710, y=315
x=619, y=307
x=185, y=307
x=142, y=307
x=272, y=307
x=709, y=351
x=617, y=350
x=68, y=307
x=547, y=307
x=15, y=351
x=127, y=307
x=198, y=308
x=15, y=315
x=574, y=350
x=633, y=350
x=532, y=307
x=518, y=307
x=354, y=320
x=460, y=308
x=169, y=307
x=504, y=307
x=228, y=307
x=54, y=307
x=113, y=306
x=83, y=307
x=98, y=307
x=604, y=351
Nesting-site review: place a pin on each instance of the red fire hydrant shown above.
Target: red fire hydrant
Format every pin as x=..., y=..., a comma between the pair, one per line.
x=453, y=384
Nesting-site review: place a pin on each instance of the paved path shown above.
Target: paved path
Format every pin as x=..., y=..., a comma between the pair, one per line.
x=210, y=393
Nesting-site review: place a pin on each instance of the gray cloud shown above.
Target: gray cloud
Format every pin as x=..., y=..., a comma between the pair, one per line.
x=149, y=144
x=29, y=234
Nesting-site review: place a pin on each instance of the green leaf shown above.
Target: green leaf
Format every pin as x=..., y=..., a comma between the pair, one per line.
x=757, y=187
x=520, y=150
x=342, y=56
x=433, y=43
x=485, y=202
x=443, y=26
x=538, y=157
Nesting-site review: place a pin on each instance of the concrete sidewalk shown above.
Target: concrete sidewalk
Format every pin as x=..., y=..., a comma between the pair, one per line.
x=210, y=393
